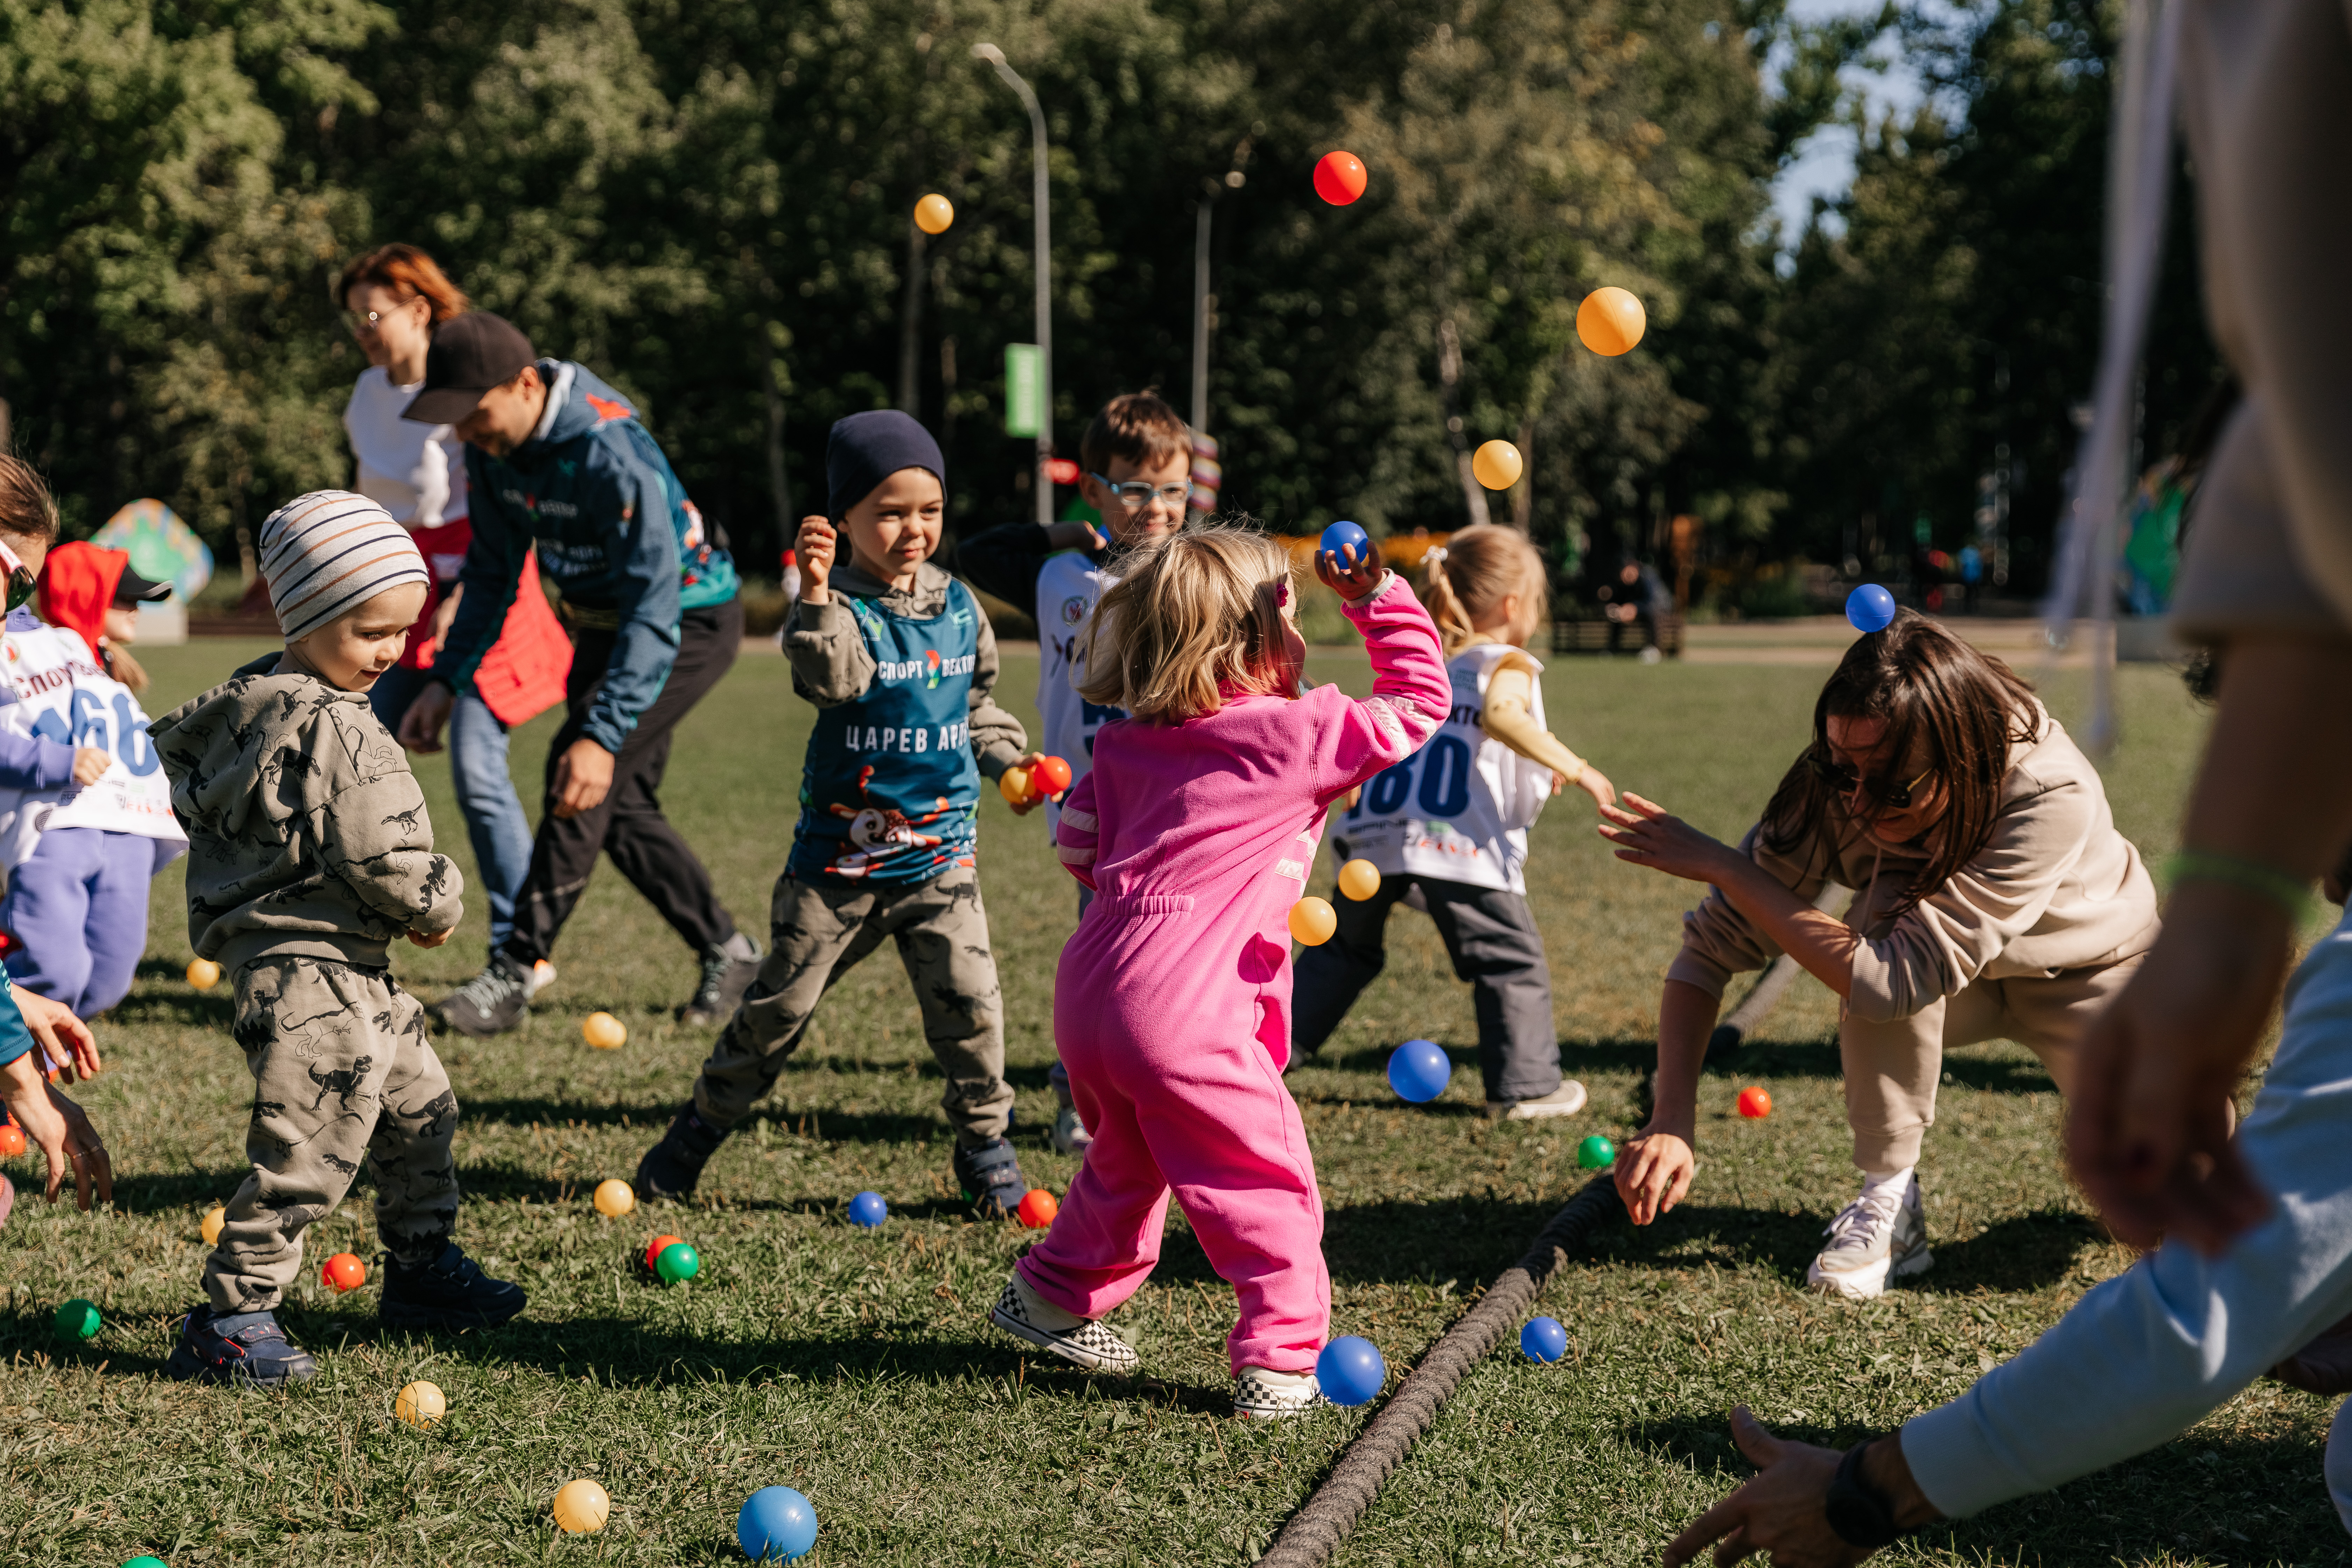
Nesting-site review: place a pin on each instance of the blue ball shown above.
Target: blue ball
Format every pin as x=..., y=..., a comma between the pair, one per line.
x=1351, y=1370
x=1544, y=1340
x=1419, y=1070
x=1870, y=607
x=1342, y=534
x=867, y=1210
x=777, y=1524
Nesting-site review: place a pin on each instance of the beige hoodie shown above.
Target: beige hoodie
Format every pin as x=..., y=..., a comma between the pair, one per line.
x=2055, y=888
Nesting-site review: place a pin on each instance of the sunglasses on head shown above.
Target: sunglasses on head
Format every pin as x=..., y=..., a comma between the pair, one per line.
x=21, y=580
x=1846, y=780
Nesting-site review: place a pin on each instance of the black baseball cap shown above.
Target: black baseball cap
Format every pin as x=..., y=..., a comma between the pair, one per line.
x=133, y=589
x=471, y=355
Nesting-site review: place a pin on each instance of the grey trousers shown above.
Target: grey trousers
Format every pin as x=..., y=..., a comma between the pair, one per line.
x=1492, y=939
x=821, y=932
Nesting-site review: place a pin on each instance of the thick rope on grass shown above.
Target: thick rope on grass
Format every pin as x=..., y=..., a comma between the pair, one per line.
x=1324, y=1520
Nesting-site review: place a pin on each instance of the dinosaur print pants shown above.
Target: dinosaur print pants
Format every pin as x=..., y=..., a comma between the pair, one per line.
x=820, y=931
x=342, y=1072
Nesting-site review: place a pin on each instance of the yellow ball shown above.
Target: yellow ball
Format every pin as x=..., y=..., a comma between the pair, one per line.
x=1360, y=879
x=580, y=1507
x=1014, y=785
x=934, y=213
x=421, y=1404
x=1312, y=921
x=603, y=1031
x=215, y=1217
x=203, y=974
x=1496, y=465
x=1611, y=321
x=615, y=1198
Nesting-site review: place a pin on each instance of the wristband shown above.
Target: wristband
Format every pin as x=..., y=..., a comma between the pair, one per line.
x=1857, y=1514
x=2291, y=893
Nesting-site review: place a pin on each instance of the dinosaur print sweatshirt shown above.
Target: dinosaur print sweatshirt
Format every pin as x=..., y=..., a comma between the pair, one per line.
x=307, y=833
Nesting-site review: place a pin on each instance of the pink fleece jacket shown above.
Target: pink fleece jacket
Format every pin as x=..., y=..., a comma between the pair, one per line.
x=1171, y=1005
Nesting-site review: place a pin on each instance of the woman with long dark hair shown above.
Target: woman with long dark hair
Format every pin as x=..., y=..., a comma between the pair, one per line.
x=1994, y=900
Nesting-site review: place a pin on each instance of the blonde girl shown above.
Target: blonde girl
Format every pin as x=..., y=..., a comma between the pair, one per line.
x=1448, y=828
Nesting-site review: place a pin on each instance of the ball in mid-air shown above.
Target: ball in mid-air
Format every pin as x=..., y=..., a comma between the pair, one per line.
x=1360, y=879
x=203, y=974
x=210, y=1226
x=1544, y=1340
x=1051, y=776
x=1339, y=537
x=1755, y=1102
x=1596, y=1153
x=421, y=1404
x=1496, y=465
x=677, y=1263
x=603, y=1031
x=344, y=1272
x=1312, y=921
x=777, y=1525
x=615, y=1197
x=1013, y=784
x=654, y=1248
x=1419, y=1070
x=1339, y=177
x=1870, y=608
x=1351, y=1370
x=1038, y=1208
x=582, y=1508
x=1611, y=321
x=79, y=1320
x=933, y=212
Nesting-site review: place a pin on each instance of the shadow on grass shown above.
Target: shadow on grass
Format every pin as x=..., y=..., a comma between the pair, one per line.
x=2025, y=1252
x=1820, y=1058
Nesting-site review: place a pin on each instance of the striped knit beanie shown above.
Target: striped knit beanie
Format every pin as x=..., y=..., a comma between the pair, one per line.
x=331, y=552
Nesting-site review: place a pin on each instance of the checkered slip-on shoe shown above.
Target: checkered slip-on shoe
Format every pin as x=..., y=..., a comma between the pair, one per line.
x=1266, y=1395
x=1090, y=1344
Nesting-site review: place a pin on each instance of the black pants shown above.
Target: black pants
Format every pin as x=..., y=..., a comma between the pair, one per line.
x=628, y=824
x=1492, y=939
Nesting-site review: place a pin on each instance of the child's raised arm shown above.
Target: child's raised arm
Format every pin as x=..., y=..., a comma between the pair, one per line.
x=1411, y=692
x=1509, y=717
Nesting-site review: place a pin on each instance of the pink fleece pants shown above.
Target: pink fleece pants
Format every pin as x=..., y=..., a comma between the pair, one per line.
x=1177, y=1070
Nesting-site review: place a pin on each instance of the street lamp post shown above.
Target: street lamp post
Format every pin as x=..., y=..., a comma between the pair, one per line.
x=995, y=56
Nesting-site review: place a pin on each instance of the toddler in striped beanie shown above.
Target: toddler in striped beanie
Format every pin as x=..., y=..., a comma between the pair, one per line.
x=341, y=576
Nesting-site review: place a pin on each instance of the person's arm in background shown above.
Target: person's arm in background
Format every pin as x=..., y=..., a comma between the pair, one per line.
x=1004, y=561
x=632, y=511
x=502, y=540
x=37, y=762
x=31, y=1025
x=1508, y=715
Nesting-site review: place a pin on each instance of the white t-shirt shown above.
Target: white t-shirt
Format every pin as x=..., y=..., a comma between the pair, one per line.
x=52, y=687
x=1459, y=808
x=415, y=472
x=1069, y=585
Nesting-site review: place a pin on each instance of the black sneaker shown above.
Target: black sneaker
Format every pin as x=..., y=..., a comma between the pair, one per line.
x=237, y=1347
x=491, y=1003
x=450, y=1292
x=672, y=1167
x=725, y=977
x=991, y=1174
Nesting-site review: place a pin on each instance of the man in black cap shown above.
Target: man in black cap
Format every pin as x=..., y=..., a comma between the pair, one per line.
x=556, y=459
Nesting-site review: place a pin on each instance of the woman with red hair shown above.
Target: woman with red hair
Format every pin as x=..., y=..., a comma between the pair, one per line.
x=393, y=298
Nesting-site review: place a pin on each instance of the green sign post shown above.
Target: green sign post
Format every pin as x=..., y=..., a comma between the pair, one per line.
x=1025, y=389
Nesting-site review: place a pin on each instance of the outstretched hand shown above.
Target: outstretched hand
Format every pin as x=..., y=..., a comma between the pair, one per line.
x=1652, y=1172
x=1780, y=1509
x=1647, y=836
x=1351, y=571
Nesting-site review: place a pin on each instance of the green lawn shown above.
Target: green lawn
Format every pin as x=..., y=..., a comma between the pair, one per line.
x=857, y=1367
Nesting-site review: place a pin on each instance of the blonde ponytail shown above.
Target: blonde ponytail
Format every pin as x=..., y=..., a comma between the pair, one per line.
x=1473, y=573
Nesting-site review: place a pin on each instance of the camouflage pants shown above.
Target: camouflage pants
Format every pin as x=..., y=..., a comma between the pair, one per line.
x=341, y=1072
x=821, y=930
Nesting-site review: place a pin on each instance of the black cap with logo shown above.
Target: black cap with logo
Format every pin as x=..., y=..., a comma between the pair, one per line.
x=133, y=589
x=471, y=355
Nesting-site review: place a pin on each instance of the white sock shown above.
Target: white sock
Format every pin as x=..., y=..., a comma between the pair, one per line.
x=1279, y=1379
x=1041, y=1311
x=1886, y=1184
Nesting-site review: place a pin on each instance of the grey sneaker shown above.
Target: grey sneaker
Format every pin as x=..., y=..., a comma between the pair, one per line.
x=1070, y=1134
x=1872, y=1240
x=1564, y=1100
x=1265, y=1393
x=727, y=973
x=1022, y=1313
x=491, y=1003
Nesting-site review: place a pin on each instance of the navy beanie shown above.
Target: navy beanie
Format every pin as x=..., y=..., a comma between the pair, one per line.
x=867, y=448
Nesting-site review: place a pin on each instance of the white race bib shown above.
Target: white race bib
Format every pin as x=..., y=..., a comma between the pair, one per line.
x=51, y=687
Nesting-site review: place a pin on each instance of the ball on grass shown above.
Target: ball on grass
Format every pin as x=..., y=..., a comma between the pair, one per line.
x=1419, y=1070
x=203, y=974
x=1360, y=879
x=777, y=1524
x=1596, y=1153
x=421, y=1404
x=1544, y=1340
x=1351, y=1370
x=677, y=1263
x=582, y=1508
x=1498, y=465
x=79, y=1320
x=210, y=1226
x=1038, y=1208
x=1755, y=1102
x=603, y=1031
x=654, y=1248
x=344, y=1272
x=867, y=1210
x=1870, y=608
x=12, y=1140
x=1312, y=921
x=146, y=1563
x=615, y=1197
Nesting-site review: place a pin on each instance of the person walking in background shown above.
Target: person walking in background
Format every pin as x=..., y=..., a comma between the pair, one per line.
x=393, y=298
x=557, y=462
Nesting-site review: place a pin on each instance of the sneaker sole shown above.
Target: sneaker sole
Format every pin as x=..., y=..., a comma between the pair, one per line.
x=1075, y=1354
x=1869, y=1284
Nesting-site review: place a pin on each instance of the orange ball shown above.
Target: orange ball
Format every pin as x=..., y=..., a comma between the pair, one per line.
x=654, y=1247
x=12, y=1141
x=1498, y=465
x=1755, y=1104
x=934, y=213
x=582, y=1508
x=1013, y=784
x=1611, y=321
x=1051, y=776
x=1038, y=1208
x=1360, y=879
x=344, y=1272
x=1312, y=921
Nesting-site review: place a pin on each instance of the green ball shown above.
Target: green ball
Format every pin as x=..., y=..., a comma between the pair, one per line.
x=678, y=1261
x=79, y=1320
x=1596, y=1153
x=146, y=1563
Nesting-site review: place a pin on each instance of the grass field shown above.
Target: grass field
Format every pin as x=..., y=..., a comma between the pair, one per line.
x=858, y=1368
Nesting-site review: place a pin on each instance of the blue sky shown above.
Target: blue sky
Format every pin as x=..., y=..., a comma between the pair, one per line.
x=1825, y=162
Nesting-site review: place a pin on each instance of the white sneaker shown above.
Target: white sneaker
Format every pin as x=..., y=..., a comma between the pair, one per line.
x=1070, y=1134
x=1874, y=1239
x=1266, y=1395
x=1024, y=1314
x=542, y=975
x=1564, y=1100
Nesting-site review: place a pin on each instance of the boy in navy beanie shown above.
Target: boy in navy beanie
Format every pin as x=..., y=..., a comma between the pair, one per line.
x=900, y=663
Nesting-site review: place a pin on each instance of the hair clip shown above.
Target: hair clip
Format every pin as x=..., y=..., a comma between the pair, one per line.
x=1282, y=594
x=1434, y=555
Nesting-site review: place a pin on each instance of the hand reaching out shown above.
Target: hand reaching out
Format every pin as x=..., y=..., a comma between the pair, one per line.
x=1591, y=780
x=1647, y=836
x=59, y=1128
x=63, y=1038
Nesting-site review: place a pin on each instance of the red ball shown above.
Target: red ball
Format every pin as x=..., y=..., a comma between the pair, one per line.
x=344, y=1272
x=1038, y=1208
x=1755, y=1104
x=654, y=1247
x=12, y=1141
x=1051, y=776
x=1340, y=178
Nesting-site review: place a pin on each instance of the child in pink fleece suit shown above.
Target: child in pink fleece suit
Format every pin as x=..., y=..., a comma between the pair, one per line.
x=1196, y=829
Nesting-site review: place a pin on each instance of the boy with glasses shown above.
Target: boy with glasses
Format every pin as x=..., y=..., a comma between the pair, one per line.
x=1136, y=471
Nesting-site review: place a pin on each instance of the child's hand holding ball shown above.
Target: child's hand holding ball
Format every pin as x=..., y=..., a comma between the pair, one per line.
x=1348, y=563
x=813, y=549
x=90, y=764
